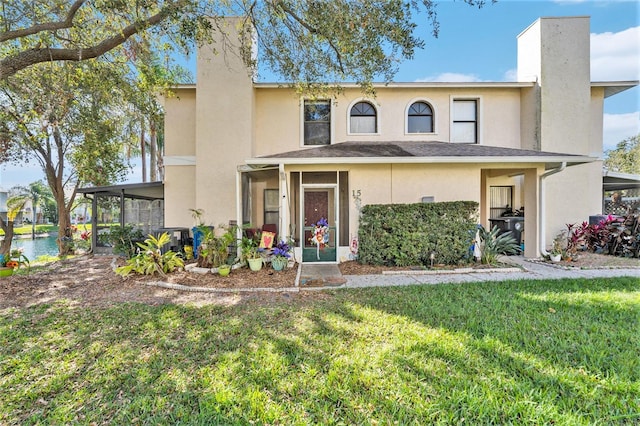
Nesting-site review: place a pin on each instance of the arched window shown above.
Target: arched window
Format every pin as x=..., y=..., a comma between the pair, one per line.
x=420, y=118
x=363, y=118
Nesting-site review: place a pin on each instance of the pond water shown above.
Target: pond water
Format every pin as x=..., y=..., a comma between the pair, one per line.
x=38, y=247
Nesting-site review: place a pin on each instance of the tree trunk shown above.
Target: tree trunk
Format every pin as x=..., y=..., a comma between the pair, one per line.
x=143, y=151
x=153, y=155
x=65, y=233
x=7, y=227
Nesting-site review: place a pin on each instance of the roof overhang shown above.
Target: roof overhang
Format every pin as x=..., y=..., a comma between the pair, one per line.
x=614, y=87
x=143, y=191
x=414, y=85
x=417, y=153
x=616, y=181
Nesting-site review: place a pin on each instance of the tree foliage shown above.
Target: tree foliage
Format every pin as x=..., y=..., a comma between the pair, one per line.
x=625, y=157
x=303, y=41
x=65, y=116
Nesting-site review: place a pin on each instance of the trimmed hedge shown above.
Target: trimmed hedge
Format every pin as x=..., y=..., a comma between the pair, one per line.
x=406, y=234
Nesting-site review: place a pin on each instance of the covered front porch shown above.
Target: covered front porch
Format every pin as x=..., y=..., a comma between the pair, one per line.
x=333, y=182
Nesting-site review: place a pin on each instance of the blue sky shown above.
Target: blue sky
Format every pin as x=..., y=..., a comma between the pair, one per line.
x=480, y=45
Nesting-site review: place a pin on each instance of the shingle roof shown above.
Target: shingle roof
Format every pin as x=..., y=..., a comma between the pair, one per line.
x=383, y=150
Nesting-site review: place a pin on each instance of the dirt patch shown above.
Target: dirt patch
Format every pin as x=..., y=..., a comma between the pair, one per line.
x=90, y=281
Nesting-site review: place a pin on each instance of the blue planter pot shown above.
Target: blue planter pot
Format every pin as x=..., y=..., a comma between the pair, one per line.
x=279, y=264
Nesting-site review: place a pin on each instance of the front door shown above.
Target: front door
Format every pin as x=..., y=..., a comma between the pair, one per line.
x=319, y=230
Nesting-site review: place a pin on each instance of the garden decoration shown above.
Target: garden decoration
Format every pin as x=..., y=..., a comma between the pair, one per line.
x=320, y=235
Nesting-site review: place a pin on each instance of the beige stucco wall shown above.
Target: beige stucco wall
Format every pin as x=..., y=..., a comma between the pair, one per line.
x=556, y=52
x=279, y=122
x=224, y=113
x=572, y=195
x=179, y=196
x=180, y=122
x=179, y=159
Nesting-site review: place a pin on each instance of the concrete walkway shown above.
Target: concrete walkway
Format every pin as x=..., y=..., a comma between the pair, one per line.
x=315, y=277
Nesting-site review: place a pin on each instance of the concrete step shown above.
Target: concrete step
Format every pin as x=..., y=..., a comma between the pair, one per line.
x=321, y=274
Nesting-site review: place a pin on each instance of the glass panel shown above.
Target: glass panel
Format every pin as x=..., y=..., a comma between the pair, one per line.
x=420, y=124
x=271, y=201
x=363, y=124
x=317, y=133
x=319, y=177
x=420, y=108
x=464, y=110
x=317, y=111
x=463, y=132
x=363, y=108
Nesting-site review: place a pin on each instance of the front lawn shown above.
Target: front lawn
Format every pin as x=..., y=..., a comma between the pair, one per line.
x=527, y=352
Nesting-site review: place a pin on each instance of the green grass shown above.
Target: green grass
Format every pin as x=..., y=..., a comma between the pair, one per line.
x=528, y=352
x=26, y=229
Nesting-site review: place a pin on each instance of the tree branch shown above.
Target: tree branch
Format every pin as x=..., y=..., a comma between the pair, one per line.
x=47, y=26
x=14, y=63
x=287, y=10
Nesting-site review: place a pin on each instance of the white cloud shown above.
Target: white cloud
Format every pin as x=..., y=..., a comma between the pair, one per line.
x=616, y=56
x=618, y=127
x=510, y=75
x=450, y=77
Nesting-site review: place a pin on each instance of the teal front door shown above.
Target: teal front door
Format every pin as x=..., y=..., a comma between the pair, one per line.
x=319, y=231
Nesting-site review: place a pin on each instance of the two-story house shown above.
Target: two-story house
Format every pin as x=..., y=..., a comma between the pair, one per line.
x=259, y=153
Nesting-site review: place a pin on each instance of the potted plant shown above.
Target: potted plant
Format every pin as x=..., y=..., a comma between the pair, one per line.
x=214, y=248
x=281, y=254
x=11, y=261
x=557, y=248
x=251, y=252
x=224, y=270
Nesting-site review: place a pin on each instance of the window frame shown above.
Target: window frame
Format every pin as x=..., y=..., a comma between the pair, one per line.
x=478, y=113
x=303, y=122
x=376, y=116
x=430, y=104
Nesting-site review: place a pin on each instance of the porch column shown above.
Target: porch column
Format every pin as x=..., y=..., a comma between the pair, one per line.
x=94, y=222
x=284, y=204
x=531, y=219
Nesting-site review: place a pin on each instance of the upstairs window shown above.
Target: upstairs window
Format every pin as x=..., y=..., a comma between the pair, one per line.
x=420, y=118
x=317, y=122
x=363, y=118
x=464, y=127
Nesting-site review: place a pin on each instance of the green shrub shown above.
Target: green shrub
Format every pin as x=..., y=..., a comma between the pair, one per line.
x=151, y=259
x=407, y=234
x=124, y=240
